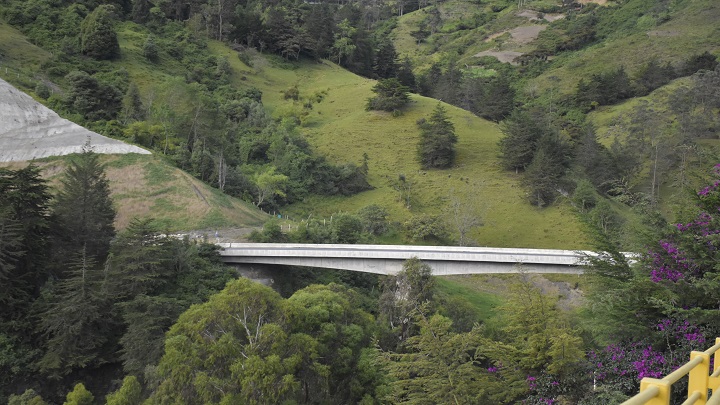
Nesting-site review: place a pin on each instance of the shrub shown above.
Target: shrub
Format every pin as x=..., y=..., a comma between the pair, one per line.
x=391, y=96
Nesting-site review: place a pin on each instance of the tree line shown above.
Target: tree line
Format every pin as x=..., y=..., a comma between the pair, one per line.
x=80, y=300
x=551, y=144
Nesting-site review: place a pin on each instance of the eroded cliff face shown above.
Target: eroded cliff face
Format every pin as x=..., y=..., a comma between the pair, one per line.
x=29, y=130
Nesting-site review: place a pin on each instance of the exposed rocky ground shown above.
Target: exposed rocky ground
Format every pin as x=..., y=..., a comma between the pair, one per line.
x=29, y=130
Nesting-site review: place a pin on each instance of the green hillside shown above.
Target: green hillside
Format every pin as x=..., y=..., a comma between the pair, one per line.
x=623, y=73
x=330, y=103
x=145, y=186
x=340, y=128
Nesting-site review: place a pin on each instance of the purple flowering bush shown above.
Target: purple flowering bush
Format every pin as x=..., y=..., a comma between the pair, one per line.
x=691, y=249
x=613, y=373
x=659, y=310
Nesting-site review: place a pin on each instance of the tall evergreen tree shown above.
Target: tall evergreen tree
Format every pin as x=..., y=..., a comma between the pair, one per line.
x=542, y=178
x=10, y=253
x=405, y=74
x=385, y=65
x=139, y=260
x=437, y=140
x=83, y=208
x=522, y=132
x=24, y=232
x=132, y=106
x=76, y=321
x=495, y=100
x=147, y=319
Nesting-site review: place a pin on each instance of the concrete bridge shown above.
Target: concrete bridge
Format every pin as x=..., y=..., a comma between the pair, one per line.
x=388, y=259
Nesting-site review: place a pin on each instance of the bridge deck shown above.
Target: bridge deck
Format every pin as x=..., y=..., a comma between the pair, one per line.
x=388, y=259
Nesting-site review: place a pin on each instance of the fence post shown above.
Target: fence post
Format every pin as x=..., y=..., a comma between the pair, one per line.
x=663, y=397
x=698, y=377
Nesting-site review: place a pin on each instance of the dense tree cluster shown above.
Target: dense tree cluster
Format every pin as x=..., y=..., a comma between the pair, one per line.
x=248, y=344
x=259, y=348
x=76, y=297
x=340, y=32
x=551, y=144
x=482, y=92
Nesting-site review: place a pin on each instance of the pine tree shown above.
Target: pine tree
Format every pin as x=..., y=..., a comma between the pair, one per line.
x=405, y=74
x=437, y=140
x=10, y=253
x=139, y=260
x=391, y=96
x=522, y=133
x=24, y=232
x=132, y=106
x=83, y=208
x=386, y=61
x=76, y=321
x=147, y=319
x=542, y=178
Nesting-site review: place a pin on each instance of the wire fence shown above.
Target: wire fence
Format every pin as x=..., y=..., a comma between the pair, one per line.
x=22, y=78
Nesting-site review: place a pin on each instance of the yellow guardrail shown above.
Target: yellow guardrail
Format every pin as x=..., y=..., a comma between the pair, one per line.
x=655, y=391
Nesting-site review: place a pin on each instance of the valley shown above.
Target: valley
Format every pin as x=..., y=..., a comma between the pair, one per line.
x=496, y=123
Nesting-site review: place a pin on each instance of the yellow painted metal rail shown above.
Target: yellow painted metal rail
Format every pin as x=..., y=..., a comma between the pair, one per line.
x=655, y=391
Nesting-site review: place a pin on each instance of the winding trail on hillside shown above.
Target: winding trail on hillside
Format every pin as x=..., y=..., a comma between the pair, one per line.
x=29, y=130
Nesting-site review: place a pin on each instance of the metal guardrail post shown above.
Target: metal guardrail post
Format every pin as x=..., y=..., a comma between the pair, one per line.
x=662, y=397
x=655, y=391
x=698, y=378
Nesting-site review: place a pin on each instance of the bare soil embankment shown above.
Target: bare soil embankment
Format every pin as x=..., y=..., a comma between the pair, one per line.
x=29, y=130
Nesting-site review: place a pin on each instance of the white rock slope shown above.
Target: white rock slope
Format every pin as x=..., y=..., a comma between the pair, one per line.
x=29, y=130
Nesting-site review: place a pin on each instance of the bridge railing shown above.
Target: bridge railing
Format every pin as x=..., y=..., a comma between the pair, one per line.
x=655, y=391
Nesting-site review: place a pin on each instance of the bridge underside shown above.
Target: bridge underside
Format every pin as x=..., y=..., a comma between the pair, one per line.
x=393, y=266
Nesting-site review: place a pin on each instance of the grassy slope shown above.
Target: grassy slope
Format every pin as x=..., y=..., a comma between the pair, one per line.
x=19, y=59
x=690, y=31
x=340, y=128
x=484, y=301
x=143, y=186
